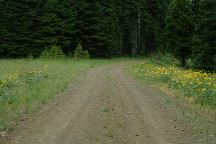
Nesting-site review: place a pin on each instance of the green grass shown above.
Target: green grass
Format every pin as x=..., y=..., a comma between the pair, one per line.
x=28, y=94
x=198, y=86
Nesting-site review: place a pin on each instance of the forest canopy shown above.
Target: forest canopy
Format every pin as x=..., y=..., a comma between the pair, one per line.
x=111, y=28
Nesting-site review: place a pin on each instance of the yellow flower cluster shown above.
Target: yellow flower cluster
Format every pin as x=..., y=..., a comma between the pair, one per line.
x=20, y=78
x=198, y=84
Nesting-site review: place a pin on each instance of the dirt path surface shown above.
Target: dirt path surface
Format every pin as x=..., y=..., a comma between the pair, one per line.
x=106, y=106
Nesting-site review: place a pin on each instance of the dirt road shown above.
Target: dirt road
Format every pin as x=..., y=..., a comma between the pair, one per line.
x=106, y=106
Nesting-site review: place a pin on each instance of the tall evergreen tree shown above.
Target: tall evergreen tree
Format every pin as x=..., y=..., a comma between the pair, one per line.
x=18, y=26
x=57, y=24
x=179, y=28
x=97, y=25
x=204, y=53
x=110, y=28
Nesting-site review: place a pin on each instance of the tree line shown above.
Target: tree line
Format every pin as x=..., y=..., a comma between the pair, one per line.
x=110, y=28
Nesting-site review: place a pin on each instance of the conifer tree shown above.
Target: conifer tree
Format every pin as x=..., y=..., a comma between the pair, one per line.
x=110, y=28
x=204, y=52
x=57, y=24
x=179, y=28
x=18, y=27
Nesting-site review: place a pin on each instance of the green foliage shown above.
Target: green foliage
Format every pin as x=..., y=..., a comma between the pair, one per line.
x=30, y=56
x=86, y=54
x=106, y=28
x=97, y=23
x=163, y=59
x=80, y=53
x=17, y=27
x=204, y=42
x=45, y=54
x=110, y=28
x=52, y=52
x=179, y=29
x=29, y=26
x=57, y=24
x=105, y=110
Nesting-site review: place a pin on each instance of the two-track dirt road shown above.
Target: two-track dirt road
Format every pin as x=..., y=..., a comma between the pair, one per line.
x=106, y=106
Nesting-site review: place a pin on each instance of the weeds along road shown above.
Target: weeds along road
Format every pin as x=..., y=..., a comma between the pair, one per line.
x=105, y=106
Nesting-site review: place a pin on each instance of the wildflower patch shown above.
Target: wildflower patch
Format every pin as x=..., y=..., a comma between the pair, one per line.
x=199, y=86
x=10, y=83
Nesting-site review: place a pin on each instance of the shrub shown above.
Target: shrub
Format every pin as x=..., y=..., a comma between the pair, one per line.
x=86, y=54
x=80, y=53
x=45, y=54
x=30, y=56
x=52, y=52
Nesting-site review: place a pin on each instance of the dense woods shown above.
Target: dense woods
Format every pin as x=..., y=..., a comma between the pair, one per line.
x=110, y=28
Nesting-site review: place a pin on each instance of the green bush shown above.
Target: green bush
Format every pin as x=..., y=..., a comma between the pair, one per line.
x=163, y=59
x=80, y=53
x=86, y=54
x=53, y=52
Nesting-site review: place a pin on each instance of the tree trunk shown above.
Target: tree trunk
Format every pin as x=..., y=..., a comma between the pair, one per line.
x=183, y=61
x=134, y=39
x=139, y=31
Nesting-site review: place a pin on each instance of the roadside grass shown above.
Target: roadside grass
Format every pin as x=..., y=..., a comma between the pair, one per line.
x=25, y=84
x=198, y=86
x=195, y=90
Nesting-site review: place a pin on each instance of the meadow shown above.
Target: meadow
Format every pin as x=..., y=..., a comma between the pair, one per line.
x=197, y=86
x=26, y=84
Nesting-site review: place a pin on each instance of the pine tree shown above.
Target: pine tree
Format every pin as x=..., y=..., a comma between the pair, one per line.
x=204, y=53
x=148, y=30
x=180, y=29
x=110, y=28
x=57, y=25
x=3, y=30
x=18, y=27
x=97, y=26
